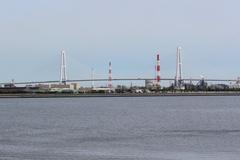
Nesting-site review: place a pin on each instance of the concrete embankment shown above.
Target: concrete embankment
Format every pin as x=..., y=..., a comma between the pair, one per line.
x=120, y=95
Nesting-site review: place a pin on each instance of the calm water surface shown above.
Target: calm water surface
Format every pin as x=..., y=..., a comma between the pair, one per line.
x=150, y=128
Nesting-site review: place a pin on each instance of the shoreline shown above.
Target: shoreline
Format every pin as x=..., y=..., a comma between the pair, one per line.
x=89, y=95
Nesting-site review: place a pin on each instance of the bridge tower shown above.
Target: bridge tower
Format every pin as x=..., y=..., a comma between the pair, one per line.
x=63, y=68
x=178, y=77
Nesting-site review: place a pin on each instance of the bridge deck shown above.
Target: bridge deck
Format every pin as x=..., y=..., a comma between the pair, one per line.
x=124, y=79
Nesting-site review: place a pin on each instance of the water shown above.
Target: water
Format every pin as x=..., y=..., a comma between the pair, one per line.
x=150, y=128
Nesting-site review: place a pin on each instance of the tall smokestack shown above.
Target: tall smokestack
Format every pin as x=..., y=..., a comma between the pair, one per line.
x=110, y=76
x=92, y=77
x=158, y=70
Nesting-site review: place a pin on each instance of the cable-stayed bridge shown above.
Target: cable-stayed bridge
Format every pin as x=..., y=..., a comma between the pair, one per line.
x=178, y=80
x=122, y=79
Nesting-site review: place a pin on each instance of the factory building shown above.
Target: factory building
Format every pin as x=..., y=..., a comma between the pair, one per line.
x=151, y=84
x=62, y=87
x=59, y=87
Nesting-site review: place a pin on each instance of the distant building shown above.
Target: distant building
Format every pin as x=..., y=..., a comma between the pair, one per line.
x=103, y=89
x=149, y=84
x=43, y=86
x=73, y=86
x=138, y=91
x=234, y=86
x=59, y=87
x=218, y=87
x=9, y=85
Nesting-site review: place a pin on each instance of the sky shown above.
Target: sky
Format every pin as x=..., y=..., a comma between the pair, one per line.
x=129, y=33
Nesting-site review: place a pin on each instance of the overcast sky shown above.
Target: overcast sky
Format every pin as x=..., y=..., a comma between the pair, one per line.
x=127, y=32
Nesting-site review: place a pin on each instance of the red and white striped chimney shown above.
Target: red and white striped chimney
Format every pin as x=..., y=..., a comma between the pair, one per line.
x=158, y=71
x=110, y=76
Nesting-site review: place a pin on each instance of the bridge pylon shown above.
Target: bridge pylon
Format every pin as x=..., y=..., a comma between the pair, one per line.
x=63, y=68
x=179, y=84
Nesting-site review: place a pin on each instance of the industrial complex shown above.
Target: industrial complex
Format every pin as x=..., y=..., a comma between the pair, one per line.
x=152, y=85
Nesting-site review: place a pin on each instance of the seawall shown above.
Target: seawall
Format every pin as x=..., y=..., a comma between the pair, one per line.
x=120, y=95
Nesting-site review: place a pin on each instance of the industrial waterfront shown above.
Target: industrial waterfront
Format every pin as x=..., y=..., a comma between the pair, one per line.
x=153, y=86
x=119, y=80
